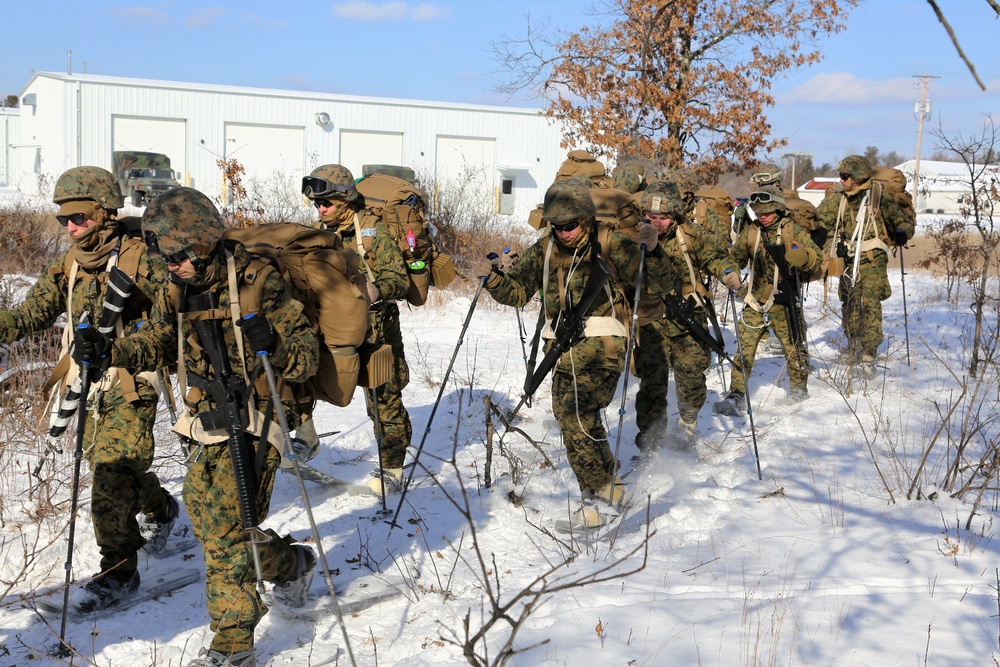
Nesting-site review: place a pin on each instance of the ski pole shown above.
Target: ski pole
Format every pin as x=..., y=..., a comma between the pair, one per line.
x=746, y=382
x=81, y=425
x=906, y=325
x=437, y=402
x=279, y=411
x=633, y=328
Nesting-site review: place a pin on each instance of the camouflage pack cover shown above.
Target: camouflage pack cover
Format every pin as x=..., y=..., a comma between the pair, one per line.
x=856, y=166
x=581, y=163
x=568, y=200
x=768, y=174
x=327, y=279
x=405, y=173
x=686, y=180
x=628, y=177
x=662, y=197
x=894, y=182
x=338, y=175
x=182, y=218
x=89, y=183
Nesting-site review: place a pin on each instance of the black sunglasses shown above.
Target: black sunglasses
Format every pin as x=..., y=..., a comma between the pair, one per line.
x=76, y=218
x=313, y=187
x=319, y=203
x=153, y=248
x=566, y=227
x=844, y=177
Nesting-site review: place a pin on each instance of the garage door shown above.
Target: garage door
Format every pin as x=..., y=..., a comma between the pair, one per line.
x=359, y=148
x=273, y=158
x=156, y=135
x=466, y=174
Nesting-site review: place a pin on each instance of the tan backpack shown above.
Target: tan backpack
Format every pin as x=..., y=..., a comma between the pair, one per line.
x=715, y=198
x=800, y=210
x=402, y=207
x=327, y=279
x=616, y=209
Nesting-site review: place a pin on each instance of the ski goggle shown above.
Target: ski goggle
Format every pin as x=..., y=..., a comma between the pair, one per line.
x=764, y=177
x=315, y=187
x=762, y=198
x=567, y=226
x=76, y=218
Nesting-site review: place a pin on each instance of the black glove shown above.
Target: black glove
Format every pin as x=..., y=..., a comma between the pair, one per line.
x=899, y=237
x=91, y=348
x=259, y=333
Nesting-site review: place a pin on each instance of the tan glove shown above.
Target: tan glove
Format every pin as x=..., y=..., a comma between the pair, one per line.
x=647, y=236
x=732, y=281
x=507, y=259
x=373, y=294
x=488, y=266
x=797, y=257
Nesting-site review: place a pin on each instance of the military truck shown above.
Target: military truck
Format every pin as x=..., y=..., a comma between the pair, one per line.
x=143, y=175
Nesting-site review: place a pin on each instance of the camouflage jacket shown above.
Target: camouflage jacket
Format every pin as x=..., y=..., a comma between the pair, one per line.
x=46, y=301
x=710, y=221
x=708, y=254
x=525, y=278
x=296, y=356
x=888, y=218
x=381, y=256
x=752, y=241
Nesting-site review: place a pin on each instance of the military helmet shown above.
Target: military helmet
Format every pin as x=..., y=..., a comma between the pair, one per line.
x=856, y=166
x=628, y=177
x=686, y=180
x=330, y=181
x=180, y=219
x=89, y=183
x=567, y=200
x=767, y=199
x=662, y=197
x=768, y=174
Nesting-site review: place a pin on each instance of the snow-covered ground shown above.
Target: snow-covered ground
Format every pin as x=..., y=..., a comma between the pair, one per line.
x=823, y=562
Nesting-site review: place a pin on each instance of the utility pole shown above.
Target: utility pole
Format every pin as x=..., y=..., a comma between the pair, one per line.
x=921, y=110
x=793, y=157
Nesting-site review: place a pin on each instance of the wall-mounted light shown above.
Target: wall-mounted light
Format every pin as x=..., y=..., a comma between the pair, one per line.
x=322, y=119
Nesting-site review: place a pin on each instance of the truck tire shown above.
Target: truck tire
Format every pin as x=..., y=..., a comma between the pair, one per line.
x=137, y=197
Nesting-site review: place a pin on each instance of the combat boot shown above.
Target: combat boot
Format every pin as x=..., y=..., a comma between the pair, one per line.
x=732, y=405
x=687, y=433
x=155, y=532
x=209, y=657
x=293, y=593
x=599, y=508
x=391, y=480
x=105, y=589
x=797, y=394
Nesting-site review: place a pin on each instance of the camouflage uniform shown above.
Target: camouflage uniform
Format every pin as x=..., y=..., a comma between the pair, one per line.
x=759, y=314
x=383, y=263
x=586, y=374
x=867, y=254
x=210, y=493
x=118, y=436
x=665, y=343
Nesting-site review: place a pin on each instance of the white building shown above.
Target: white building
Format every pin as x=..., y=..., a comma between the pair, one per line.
x=9, y=121
x=504, y=157
x=942, y=184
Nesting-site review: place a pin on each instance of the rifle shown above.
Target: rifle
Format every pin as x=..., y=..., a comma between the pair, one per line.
x=681, y=310
x=533, y=358
x=119, y=289
x=789, y=295
x=229, y=393
x=569, y=328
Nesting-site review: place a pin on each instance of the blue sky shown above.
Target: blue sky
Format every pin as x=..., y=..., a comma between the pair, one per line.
x=861, y=94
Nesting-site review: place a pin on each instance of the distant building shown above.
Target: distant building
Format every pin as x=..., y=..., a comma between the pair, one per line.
x=943, y=184
x=502, y=158
x=814, y=189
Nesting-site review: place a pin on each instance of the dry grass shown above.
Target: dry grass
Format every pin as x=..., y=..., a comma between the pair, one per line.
x=29, y=238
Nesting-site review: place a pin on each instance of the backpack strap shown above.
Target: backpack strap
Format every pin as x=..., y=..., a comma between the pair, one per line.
x=362, y=251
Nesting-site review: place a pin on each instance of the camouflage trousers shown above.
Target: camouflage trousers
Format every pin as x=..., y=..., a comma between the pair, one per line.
x=119, y=448
x=655, y=354
x=395, y=421
x=210, y=495
x=752, y=328
x=583, y=384
x=861, y=303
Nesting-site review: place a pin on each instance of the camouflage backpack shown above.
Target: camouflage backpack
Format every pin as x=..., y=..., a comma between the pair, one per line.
x=402, y=207
x=894, y=182
x=327, y=279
